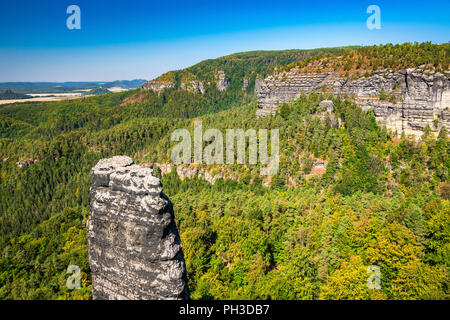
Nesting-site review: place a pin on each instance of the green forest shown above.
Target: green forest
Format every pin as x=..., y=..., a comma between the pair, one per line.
x=383, y=199
x=366, y=60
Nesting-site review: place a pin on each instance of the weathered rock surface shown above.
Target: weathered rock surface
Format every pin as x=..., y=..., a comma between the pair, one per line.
x=422, y=98
x=221, y=80
x=191, y=172
x=193, y=86
x=326, y=106
x=24, y=163
x=158, y=86
x=326, y=112
x=245, y=84
x=133, y=243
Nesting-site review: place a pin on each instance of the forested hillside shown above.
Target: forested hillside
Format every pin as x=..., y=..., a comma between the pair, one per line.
x=246, y=65
x=366, y=60
x=309, y=232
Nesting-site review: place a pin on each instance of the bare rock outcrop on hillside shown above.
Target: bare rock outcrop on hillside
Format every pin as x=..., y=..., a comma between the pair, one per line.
x=158, y=86
x=133, y=243
x=193, y=86
x=421, y=98
x=222, y=81
x=191, y=172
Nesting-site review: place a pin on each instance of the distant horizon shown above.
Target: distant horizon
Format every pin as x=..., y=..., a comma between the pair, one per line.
x=133, y=79
x=81, y=81
x=141, y=39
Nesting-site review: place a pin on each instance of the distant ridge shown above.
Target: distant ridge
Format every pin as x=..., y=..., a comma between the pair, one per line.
x=56, y=87
x=8, y=94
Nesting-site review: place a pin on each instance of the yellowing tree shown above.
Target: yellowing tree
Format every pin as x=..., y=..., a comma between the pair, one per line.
x=417, y=280
x=392, y=248
x=349, y=282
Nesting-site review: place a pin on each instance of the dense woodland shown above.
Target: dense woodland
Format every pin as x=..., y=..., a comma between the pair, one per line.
x=367, y=60
x=303, y=234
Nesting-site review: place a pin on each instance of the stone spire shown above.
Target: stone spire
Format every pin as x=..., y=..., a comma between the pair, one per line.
x=133, y=243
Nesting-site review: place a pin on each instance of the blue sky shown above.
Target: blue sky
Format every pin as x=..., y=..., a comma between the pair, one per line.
x=127, y=39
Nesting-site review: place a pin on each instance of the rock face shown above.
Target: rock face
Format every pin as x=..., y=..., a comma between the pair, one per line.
x=157, y=85
x=221, y=80
x=193, y=86
x=191, y=172
x=421, y=98
x=245, y=84
x=326, y=106
x=24, y=163
x=326, y=112
x=133, y=243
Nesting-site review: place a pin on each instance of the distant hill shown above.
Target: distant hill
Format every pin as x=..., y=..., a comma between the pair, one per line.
x=8, y=94
x=61, y=87
x=125, y=84
x=245, y=66
x=96, y=92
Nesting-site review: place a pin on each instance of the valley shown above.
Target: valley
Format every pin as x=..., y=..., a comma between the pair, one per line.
x=356, y=186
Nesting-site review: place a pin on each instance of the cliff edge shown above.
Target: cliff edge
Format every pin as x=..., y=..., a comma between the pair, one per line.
x=419, y=98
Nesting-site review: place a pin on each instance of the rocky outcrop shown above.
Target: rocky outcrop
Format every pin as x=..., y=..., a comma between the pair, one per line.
x=326, y=106
x=415, y=98
x=245, y=84
x=191, y=172
x=193, y=86
x=158, y=86
x=221, y=80
x=326, y=112
x=133, y=243
x=24, y=163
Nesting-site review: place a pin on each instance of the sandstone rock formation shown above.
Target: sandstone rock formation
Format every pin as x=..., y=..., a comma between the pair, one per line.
x=196, y=86
x=191, y=172
x=158, y=86
x=24, y=163
x=245, y=84
x=221, y=80
x=133, y=243
x=193, y=86
x=421, y=98
x=326, y=106
x=326, y=112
